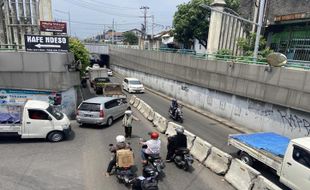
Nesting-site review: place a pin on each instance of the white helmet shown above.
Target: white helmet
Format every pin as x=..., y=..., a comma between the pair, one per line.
x=128, y=112
x=120, y=138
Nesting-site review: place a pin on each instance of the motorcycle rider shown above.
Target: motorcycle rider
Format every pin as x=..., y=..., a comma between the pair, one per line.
x=176, y=142
x=153, y=147
x=174, y=106
x=120, y=144
x=127, y=122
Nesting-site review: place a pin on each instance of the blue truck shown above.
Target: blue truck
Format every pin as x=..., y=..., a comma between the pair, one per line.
x=290, y=158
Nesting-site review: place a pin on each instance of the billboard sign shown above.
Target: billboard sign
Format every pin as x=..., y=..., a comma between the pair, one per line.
x=50, y=26
x=39, y=43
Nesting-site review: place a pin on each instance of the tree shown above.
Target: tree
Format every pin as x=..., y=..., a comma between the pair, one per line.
x=80, y=52
x=130, y=38
x=247, y=45
x=191, y=21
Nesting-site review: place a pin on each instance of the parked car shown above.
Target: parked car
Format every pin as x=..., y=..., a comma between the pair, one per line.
x=133, y=85
x=101, y=110
x=110, y=73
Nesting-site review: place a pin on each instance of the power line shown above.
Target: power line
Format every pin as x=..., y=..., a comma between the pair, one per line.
x=96, y=24
x=99, y=3
x=85, y=5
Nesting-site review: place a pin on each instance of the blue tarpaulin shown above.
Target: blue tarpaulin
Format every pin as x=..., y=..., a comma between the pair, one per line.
x=270, y=142
x=9, y=118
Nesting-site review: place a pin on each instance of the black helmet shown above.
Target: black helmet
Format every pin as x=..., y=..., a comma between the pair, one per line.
x=149, y=171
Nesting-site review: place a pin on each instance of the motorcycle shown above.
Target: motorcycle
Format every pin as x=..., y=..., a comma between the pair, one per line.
x=155, y=163
x=124, y=174
x=183, y=159
x=178, y=115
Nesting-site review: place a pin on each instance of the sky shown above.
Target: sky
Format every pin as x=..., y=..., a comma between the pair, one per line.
x=92, y=17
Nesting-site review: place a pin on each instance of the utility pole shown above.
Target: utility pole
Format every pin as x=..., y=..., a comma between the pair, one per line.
x=145, y=16
x=259, y=27
x=152, y=26
x=113, y=31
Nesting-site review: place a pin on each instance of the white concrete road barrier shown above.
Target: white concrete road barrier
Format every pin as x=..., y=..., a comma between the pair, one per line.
x=137, y=102
x=200, y=149
x=261, y=183
x=240, y=175
x=151, y=115
x=132, y=99
x=160, y=122
x=140, y=105
x=147, y=110
x=190, y=139
x=171, y=129
x=218, y=161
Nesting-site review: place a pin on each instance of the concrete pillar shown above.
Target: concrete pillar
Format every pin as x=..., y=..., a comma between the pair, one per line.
x=45, y=10
x=21, y=15
x=14, y=22
x=215, y=26
x=28, y=15
x=2, y=26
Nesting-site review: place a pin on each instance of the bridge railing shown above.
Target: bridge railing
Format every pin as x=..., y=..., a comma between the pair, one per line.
x=299, y=64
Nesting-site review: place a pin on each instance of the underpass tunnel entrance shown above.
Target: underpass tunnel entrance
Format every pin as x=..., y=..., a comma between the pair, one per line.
x=102, y=59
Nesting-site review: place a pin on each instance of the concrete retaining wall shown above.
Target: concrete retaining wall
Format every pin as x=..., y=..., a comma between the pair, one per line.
x=41, y=71
x=282, y=86
x=253, y=114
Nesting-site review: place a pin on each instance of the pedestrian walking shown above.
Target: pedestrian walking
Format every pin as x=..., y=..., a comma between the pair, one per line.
x=127, y=123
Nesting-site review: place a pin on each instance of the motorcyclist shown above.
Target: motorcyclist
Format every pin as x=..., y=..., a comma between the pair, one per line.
x=153, y=147
x=127, y=122
x=174, y=105
x=120, y=144
x=176, y=142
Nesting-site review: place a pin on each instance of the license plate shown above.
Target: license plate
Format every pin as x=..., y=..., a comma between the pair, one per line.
x=87, y=115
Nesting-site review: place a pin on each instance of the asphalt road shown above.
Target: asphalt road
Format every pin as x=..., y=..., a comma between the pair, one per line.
x=210, y=130
x=81, y=161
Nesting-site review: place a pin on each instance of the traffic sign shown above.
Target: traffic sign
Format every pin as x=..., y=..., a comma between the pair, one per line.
x=50, y=26
x=39, y=43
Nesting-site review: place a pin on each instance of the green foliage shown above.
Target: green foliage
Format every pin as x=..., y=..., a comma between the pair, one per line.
x=233, y=4
x=80, y=52
x=130, y=38
x=247, y=45
x=224, y=54
x=191, y=21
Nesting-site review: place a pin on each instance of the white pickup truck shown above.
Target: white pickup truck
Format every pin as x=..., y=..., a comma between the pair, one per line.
x=35, y=119
x=289, y=158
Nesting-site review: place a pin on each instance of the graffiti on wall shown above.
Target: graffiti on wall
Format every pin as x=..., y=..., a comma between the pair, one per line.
x=294, y=122
x=271, y=117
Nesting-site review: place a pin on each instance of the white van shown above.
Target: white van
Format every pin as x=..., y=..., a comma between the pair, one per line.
x=35, y=119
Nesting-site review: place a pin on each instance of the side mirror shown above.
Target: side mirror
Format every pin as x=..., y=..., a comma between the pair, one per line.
x=144, y=146
x=49, y=118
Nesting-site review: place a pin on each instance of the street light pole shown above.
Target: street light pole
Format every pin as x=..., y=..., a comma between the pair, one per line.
x=259, y=27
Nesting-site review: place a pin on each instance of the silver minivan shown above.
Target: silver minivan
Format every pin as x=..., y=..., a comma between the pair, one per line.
x=101, y=110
